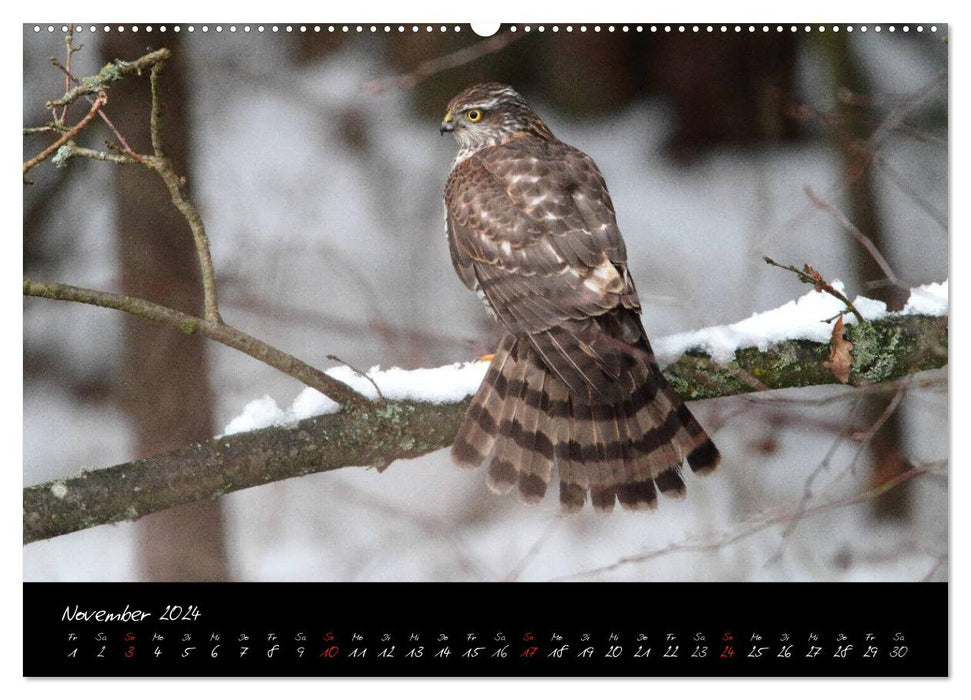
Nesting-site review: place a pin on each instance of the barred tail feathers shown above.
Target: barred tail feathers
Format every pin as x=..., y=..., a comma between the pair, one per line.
x=625, y=448
x=477, y=434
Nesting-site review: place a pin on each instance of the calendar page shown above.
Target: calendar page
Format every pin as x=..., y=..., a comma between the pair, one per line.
x=534, y=350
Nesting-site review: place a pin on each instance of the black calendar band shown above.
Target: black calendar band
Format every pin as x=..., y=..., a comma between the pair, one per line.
x=479, y=629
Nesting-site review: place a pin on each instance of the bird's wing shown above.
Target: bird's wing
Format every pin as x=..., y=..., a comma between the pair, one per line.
x=532, y=221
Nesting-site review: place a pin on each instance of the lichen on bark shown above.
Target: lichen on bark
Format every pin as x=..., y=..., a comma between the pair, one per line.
x=889, y=348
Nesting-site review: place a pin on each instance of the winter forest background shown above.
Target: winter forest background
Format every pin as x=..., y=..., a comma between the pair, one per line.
x=316, y=162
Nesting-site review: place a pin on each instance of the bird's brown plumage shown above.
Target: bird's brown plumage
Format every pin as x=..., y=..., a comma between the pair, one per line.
x=531, y=227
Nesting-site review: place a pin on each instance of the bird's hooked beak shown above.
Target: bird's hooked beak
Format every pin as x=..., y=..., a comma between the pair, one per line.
x=447, y=124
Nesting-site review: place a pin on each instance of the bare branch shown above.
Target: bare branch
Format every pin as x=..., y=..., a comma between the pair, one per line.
x=46, y=129
x=762, y=522
x=432, y=66
x=358, y=372
x=939, y=565
x=219, y=332
x=109, y=74
x=867, y=436
x=862, y=239
x=374, y=437
x=381, y=432
x=905, y=187
x=870, y=148
x=163, y=166
x=72, y=151
x=47, y=152
x=809, y=275
x=70, y=49
x=101, y=113
x=212, y=326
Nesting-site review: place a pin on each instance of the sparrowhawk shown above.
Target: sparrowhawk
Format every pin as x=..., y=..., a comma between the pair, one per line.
x=531, y=229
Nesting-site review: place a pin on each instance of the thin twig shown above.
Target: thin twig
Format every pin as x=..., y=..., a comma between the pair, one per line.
x=155, y=120
x=534, y=550
x=109, y=74
x=809, y=275
x=900, y=113
x=882, y=388
x=46, y=129
x=860, y=237
x=217, y=331
x=938, y=565
x=426, y=69
x=867, y=436
x=47, y=152
x=428, y=523
x=835, y=120
x=897, y=179
x=163, y=166
x=823, y=466
x=864, y=439
x=129, y=154
x=68, y=36
x=357, y=328
x=72, y=151
x=765, y=520
x=101, y=112
x=70, y=50
x=870, y=148
x=335, y=358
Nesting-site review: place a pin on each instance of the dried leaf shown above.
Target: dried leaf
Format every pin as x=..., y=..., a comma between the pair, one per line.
x=840, y=360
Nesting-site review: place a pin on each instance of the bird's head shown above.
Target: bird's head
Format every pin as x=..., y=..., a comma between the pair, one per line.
x=489, y=114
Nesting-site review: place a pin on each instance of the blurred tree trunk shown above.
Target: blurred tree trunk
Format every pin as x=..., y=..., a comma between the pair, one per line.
x=887, y=458
x=165, y=381
x=724, y=91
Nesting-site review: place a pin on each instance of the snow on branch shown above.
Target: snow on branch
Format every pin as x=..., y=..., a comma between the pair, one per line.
x=786, y=327
x=421, y=409
x=801, y=319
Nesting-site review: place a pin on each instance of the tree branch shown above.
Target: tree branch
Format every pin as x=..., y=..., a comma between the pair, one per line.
x=212, y=326
x=373, y=437
x=69, y=78
x=67, y=136
x=763, y=521
x=163, y=166
x=432, y=66
x=860, y=237
x=892, y=347
x=109, y=74
x=809, y=275
x=217, y=331
x=381, y=432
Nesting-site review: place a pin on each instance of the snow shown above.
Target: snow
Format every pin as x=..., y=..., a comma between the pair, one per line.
x=803, y=318
x=260, y=413
x=928, y=300
x=446, y=384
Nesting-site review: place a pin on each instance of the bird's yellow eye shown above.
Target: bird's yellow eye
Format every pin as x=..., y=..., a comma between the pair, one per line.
x=473, y=115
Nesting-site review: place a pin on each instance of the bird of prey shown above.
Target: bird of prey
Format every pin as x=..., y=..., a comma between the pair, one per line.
x=531, y=229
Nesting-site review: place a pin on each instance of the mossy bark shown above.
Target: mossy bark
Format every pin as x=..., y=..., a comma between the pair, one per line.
x=882, y=350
